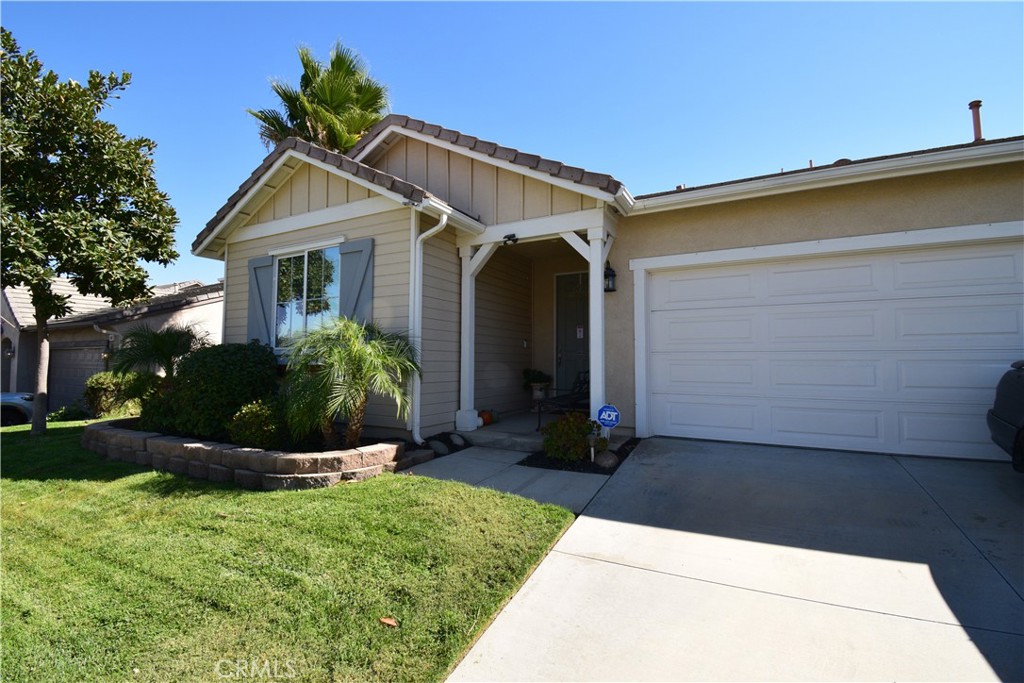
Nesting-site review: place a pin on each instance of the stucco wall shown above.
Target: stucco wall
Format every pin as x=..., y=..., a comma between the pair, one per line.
x=988, y=194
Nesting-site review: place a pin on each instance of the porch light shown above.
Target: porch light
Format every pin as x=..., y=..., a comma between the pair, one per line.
x=609, y=277
x=9, y=352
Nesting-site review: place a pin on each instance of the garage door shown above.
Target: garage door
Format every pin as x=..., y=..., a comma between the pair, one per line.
x=69, y=368
x=892, y=352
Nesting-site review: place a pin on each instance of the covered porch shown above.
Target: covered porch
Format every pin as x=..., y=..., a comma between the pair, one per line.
x=532, y=296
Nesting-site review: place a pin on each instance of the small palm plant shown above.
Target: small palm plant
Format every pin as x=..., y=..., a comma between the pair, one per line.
x=144, y=348
x=334, y=369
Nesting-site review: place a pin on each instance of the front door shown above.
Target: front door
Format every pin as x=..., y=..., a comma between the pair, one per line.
x=572, y=328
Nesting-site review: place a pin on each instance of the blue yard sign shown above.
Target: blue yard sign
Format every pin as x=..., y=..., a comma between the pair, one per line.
x=608, y=416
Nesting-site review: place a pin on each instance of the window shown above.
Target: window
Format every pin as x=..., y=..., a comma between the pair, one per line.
x=308, y=292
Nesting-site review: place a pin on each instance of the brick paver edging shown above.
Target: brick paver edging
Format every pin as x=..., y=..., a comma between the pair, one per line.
x=250, y=468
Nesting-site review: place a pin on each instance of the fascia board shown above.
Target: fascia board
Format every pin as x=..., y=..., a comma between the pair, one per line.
x=877, y=170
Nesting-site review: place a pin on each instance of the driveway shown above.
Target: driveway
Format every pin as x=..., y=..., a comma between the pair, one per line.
x=714, y=561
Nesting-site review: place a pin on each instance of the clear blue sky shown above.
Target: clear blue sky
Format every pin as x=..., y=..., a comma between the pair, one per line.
x=656, y=94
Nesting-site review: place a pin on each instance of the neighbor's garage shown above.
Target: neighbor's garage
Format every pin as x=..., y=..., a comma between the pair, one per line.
x=892, y=352
x=69, y=368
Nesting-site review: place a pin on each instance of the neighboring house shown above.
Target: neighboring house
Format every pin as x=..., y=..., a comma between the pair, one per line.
x=80, y=343
x=867, y=305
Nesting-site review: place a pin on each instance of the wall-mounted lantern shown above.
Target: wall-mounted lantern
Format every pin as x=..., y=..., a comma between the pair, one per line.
x=609, y=277
x=9, y=352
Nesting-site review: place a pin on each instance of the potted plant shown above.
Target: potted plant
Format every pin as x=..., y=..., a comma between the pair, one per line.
x=536, y=380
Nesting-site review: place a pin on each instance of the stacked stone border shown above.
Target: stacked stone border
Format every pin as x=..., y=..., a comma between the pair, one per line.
x=250, y=468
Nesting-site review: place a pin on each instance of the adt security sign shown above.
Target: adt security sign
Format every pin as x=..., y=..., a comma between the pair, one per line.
x=608, y=416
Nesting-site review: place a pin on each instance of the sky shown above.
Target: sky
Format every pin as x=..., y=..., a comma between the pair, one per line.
x=656, y=94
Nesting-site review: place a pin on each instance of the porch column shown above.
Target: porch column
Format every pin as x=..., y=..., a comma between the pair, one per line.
x=465, y=418
x=596, y=290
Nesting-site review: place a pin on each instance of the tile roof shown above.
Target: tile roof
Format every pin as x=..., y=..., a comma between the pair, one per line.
x=20, y=301
x=556, y=169
x=192, y=294
x=412, y=193
x=835, y=164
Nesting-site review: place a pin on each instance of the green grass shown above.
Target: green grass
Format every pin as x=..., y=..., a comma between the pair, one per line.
x=115, y=572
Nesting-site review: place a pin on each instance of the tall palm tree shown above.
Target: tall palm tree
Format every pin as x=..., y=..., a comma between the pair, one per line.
x=334, y=369
x=334, y=105
x=144, y=348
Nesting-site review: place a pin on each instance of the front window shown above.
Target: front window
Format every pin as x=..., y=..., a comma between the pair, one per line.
x=308, y=295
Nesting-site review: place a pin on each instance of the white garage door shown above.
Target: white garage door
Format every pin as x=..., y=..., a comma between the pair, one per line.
x=892, y=352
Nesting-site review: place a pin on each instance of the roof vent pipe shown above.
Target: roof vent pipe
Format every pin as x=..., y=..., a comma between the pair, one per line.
x=975, y=108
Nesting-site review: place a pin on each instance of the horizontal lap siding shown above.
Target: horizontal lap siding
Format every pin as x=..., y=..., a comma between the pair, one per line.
x=439, y=396
x=503, y=321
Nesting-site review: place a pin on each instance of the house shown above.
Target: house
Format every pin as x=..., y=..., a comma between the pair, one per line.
x=80, y=343
x=868, y=305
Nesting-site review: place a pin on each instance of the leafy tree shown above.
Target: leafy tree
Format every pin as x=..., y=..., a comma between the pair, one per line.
x=77, y=198
x=334, y=105
x=143, y=347
x=332, y=370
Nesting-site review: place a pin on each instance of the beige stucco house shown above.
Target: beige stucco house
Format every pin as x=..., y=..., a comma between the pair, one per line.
x=868, y=305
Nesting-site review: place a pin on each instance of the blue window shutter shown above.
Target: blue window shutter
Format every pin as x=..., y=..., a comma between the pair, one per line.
x=260, y=319
x=357, y=279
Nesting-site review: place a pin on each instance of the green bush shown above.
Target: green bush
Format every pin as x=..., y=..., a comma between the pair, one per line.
x=110, y=394
x=566, y=437
x=260, y=424
x=210, y=385
x=74, y=411
x=158, y=414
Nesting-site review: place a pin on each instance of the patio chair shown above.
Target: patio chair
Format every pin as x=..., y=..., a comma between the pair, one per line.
x=577, y=398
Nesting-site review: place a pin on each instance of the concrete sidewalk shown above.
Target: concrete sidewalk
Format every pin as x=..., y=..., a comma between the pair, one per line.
x=497, y=469
x=713, y=561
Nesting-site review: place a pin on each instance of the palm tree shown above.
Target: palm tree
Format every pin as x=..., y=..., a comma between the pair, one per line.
x=334, y=105
x=334, y=369
x=143, y=348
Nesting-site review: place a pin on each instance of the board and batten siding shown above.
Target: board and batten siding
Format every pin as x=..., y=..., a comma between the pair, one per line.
x=504, y=319
x=478, y=188
x=308, y=189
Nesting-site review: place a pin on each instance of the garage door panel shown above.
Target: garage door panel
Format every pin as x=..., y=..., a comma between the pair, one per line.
x=896, y=352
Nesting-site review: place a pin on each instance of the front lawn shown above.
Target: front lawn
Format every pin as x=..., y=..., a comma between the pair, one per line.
x=115, y=572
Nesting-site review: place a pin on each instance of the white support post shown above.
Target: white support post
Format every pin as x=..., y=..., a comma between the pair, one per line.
x=596, y=291
x=465, y=418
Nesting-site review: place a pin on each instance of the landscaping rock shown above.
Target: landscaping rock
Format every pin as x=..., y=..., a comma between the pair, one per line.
x=297, y=482
x=339, y=461
x=248, y=479
x=171, y=446
x=297, y=463
x=362, y=473
x=238, y=458
x=380, y=453
x=143, y=458
x=264, y=462
x=158, y=461
x=439, y=447
x=220, y=473
x=410, y=459
x=457, y=440
x=197, y=469
x=606, y=460
x=177, y=465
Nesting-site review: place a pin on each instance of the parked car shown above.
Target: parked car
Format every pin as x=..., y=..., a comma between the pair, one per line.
x=15, y=408
x=1006, y=419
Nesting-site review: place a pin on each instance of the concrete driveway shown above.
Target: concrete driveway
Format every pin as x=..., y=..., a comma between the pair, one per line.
x=712, y=561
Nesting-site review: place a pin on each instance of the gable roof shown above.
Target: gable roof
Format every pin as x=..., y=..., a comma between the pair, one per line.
x=556, y=169
x=384, y=181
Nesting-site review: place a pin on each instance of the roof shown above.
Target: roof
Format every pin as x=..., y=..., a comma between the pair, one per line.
x=189, y=295
x=386, y=181
x=555, y=169
x=20, y=300
x=838, y=163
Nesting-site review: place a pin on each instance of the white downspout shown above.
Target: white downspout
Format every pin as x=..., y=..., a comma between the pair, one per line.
x=416, y=306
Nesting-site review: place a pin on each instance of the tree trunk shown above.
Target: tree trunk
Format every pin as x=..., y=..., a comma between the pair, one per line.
x=355, y=425
x=39, y=408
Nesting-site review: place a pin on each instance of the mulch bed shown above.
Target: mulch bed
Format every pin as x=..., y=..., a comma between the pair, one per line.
x=542, y=460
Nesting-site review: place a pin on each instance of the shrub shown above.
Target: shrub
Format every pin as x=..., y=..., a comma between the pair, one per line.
x=158, y=414
x=566, y=437
x=211, y=384
x=260, y=424
x=74, y=411
x=110, y=394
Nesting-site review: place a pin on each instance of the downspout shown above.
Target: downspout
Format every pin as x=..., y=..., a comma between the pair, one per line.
x=416, y=305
